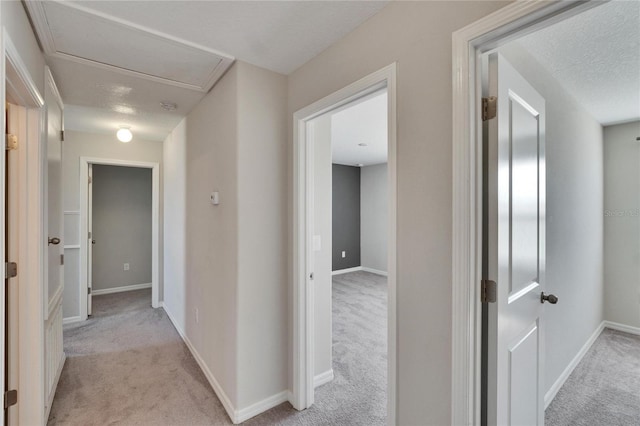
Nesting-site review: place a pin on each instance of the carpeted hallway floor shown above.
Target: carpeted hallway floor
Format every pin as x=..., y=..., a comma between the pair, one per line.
x=127, y=365
x=604, y=389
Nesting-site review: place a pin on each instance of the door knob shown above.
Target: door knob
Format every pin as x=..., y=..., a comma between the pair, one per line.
x=93, y=241
x=55, y=241
x=548, y=298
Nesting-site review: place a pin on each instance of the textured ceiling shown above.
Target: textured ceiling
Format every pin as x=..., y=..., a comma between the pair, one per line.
x=364, y=122
x=277, y=35
x=596, y=57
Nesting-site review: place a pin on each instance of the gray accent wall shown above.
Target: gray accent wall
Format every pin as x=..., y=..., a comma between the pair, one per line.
x=345, y=217
x=121, y=226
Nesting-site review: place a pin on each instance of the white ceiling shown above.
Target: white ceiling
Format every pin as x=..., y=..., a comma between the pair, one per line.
x=596, y=57
x=362, y=123
x=115, y=61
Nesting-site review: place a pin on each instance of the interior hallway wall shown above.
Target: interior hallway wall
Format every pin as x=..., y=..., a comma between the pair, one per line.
x=374, y=213
x=345, y=223
x=622, y=224
x=416, y=35
x=121, y=226
x=80, y=144
x=575, y=194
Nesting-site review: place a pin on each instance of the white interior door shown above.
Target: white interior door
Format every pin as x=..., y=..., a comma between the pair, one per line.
x=516, y=248
x=90, y=242
x=55, y=217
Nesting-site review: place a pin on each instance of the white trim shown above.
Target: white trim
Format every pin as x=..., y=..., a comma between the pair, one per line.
x=30, y=234
x=71, y=320
x=155, y=224
x=72, y=247
x=63, y=359
x=506, y=24
x=54, y=88
x=72, y=212
x=375, y=271
x=120, y=289
x=57, y=297
x=557, y=385
x=622, y=327
x=346, y=270
x=39, y=19
x=323, y=378
x=303, y=330
x=236, y=416
x=259, y=407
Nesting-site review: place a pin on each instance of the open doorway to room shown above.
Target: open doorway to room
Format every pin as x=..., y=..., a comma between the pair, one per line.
x=350, y=236
x=119, y=221
x=347, y=366
x=559, y=117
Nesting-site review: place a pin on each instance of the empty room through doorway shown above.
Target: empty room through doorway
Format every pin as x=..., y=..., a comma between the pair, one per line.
x=350, y=251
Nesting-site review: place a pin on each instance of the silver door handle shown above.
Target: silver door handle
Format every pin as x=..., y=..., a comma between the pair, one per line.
x=55, y=241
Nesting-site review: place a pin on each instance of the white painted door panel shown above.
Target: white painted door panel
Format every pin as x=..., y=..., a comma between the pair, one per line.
x=90, y=239
x=516, y=248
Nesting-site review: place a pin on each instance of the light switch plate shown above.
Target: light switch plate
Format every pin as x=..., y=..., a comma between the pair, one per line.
x=215, y=198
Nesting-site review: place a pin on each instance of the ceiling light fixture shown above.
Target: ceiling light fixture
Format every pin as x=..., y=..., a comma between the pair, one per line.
x=124, y=135
x=168, y=106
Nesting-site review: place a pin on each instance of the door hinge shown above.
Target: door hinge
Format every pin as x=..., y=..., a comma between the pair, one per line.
x=90, y=179
x=88, y=290
x=62, y=135
x=10, y=398
x=489, y=108
x=488, y=291
x=62, y=259
x=89, y=235
x=10, y=270
x=10, y=142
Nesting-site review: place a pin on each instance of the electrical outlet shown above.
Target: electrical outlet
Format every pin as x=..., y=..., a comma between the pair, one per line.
x=126, y=266
x=197, y=316
x=344, y=254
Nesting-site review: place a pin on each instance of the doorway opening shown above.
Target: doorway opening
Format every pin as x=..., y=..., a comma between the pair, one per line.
x=564, y=170
x=123, y=254
x=318, y=216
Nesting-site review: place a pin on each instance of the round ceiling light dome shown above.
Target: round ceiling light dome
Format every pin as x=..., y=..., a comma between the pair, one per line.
x=124, y=135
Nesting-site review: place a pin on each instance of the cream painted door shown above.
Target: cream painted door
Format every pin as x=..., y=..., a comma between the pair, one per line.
x=516, y=248
x=90, y=236
x=55, y=218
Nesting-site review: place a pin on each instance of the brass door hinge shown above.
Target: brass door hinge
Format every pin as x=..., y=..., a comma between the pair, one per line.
x=62, y=135
x=10, y=398
x=10, y=142
x=489, y=108
x=488, y=291
x=62, y=259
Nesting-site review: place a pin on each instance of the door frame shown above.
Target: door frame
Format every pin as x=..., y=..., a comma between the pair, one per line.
x=469, y=43
x=155, y=225
x=303, y=299
x=30, y=233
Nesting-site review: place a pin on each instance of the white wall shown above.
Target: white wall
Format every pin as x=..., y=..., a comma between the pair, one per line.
x=622, y=224
x=76, y=145
x=574, y=244
x=231, y=269
x=374, y=217
x=174, y=157
x=416, y=35
x=322, y=187
x=262, y=209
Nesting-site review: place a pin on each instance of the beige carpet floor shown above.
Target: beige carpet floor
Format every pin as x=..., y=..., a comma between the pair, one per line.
x=127, y=365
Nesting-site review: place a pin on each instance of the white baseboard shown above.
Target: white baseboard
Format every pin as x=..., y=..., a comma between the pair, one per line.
x=55, y=385
x=622, y=327
x=323, y=378
x=236, y=416
x=375, y=271
x=71, y=320
x=347, y=270
x=120, y=289
x=553, y=391
x=260, y=407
